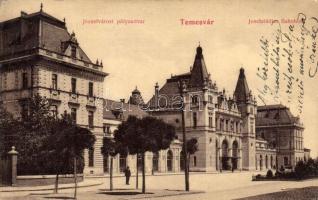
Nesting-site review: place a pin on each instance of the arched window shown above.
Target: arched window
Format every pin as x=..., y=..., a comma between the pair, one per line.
x=260, y=162
x=285, y=161
x=169, y=160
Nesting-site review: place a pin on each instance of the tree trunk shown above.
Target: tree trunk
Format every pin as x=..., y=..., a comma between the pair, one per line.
x=111, y=174
x=75, y=177
x=143, y=174
x=137, y=172
x=56, y=183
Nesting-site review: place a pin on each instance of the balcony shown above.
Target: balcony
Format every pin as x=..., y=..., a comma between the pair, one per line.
x=54, y=95
x=73, y=99
x=91, y=102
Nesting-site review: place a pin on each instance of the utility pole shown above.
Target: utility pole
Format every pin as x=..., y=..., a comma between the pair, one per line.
x=182, y=89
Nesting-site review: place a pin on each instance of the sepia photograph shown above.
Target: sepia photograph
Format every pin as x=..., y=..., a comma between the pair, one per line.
x=158, y=99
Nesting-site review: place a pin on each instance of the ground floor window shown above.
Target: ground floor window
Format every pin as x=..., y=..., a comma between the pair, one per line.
x=91, y=157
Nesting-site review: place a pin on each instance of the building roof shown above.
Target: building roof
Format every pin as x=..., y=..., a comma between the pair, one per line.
x=117, y=110
x=275, y=115
x=242, y=92
x=199, y=73
x=198, y=77
x=36, y=30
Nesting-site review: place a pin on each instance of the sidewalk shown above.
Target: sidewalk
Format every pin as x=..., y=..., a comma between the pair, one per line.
x=85, y=183
x=117, y=194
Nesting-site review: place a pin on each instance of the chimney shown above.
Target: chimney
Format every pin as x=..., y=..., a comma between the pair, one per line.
x=24, y=14
x=156, y=95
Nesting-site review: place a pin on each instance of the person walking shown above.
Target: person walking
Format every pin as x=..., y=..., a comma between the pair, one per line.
x=127, y=175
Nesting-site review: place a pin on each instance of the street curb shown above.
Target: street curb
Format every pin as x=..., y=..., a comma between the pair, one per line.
x=168, y=195
x=47, y=189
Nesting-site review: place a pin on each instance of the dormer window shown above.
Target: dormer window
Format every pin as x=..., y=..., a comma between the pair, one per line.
x=73, y=52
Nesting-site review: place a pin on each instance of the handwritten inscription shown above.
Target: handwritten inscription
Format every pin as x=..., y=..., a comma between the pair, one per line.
x=288, y=55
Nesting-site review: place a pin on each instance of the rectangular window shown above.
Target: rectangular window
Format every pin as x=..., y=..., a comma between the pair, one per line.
x=194, y=161
x=90, y=119
x=210, y=99
x=90, y=89
x=73, y=114
x=91, y=157
x=73, y=85
x=210, y=122
x=24, y=80
x=54, y=81
x=194, y=120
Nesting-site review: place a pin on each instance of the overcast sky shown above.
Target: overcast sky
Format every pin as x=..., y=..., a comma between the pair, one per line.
x=143, y=54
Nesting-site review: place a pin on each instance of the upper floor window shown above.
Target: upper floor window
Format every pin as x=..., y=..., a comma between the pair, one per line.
x=73, y=52
x=90, y=89
x=210, y=122
x=73, y=114
x=54, y=81
x=73, y=85
x=194, y=120
x=24, y=80
x=90, y=119
x=194, y=161
x=195, y=99
x=210, y=99
x=107, y=129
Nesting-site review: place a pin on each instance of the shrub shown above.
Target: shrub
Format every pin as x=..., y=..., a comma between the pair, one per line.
x=269, y=174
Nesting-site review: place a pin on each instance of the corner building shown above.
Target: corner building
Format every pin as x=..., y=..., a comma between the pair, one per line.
x=39, y=56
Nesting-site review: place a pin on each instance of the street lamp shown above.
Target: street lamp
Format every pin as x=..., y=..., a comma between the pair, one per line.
x=182, y=90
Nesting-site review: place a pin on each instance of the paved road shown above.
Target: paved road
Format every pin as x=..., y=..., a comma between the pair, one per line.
x=216, y=186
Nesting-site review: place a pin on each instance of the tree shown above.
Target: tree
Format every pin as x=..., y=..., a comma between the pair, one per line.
x=142, y=135
x=27, y=133
x=65, y=145
x=110, y=149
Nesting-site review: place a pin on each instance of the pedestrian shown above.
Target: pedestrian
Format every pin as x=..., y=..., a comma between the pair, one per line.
x=127, y=175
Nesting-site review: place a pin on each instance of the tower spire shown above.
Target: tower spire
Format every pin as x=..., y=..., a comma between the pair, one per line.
x=242, y=92
x=41, y=7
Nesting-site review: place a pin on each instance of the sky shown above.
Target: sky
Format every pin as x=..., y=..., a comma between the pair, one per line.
x=141, y=54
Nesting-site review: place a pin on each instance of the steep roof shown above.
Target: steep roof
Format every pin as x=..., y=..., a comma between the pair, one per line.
x=199, y=73
x=242, y=92
x=275, y=115
x=120, y=111
x=198, y=77
x=34, y=30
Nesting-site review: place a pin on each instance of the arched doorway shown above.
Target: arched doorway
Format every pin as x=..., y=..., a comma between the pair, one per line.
x=155, y=161
x=169, y=160
x=225, y=158
x=235, y=156
x=182, y=161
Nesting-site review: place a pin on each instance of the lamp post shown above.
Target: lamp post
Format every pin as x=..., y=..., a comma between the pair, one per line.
x=182, y=90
